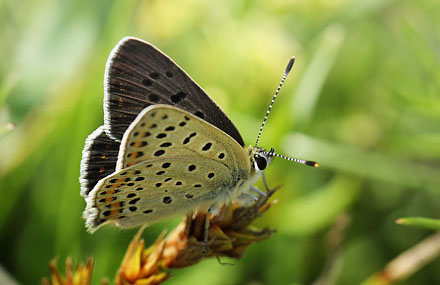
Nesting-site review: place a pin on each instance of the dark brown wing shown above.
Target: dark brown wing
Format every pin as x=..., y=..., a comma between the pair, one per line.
x=138, y=75
x=99, y=158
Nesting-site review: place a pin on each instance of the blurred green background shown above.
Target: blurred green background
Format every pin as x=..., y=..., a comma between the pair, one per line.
x=362, y=100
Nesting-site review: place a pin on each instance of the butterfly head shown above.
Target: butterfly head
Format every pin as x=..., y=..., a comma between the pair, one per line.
x=260, y=158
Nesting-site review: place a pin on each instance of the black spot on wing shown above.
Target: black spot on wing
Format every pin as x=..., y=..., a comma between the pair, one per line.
x=167, y=200
x=207, y=146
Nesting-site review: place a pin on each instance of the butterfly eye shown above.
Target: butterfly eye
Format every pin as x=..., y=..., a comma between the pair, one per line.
x=260, y=162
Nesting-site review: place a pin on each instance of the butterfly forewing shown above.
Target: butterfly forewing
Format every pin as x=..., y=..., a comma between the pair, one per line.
x=181, y=165
x=139, y=75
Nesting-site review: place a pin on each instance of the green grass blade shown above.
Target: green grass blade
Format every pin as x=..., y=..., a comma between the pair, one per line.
x=418, y=222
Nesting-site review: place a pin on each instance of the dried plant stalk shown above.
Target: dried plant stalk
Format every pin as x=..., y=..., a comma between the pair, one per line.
x=229, y=235
x=408, y=262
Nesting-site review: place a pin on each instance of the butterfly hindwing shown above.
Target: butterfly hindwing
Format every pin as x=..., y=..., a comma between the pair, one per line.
x=197, y=164
x=139, y=75
x=99, y=159
x=156, y=190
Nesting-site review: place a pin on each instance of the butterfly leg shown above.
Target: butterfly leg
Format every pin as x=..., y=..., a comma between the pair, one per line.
x=265, y=182
x=205, y=236
x=255, y=189
x=246, y=200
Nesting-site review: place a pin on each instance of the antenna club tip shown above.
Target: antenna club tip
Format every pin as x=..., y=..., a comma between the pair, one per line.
x=290, y=64
x=312, y=163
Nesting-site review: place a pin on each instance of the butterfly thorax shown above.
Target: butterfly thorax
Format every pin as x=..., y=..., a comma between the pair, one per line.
x=240, y=192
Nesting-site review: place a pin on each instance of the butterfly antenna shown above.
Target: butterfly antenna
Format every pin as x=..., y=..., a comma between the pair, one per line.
x=306, y=162
x=286, y=72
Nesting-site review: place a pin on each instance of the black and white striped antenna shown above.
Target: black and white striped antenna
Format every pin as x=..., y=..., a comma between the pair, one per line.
x=305, y=162
x=272, y=151
x=286, y=72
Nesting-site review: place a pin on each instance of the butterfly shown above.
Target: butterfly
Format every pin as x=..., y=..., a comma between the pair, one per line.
x=165, y=148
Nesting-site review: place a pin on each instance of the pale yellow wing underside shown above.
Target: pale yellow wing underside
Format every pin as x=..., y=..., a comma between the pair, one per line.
x=170, y=162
